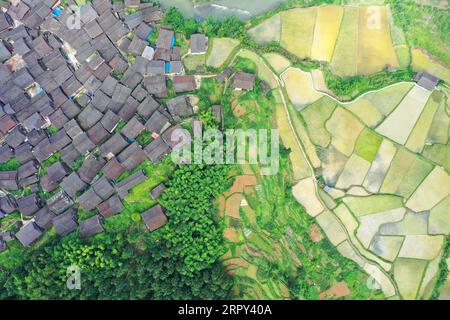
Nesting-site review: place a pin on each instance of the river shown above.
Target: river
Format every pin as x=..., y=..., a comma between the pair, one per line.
x=242, y=9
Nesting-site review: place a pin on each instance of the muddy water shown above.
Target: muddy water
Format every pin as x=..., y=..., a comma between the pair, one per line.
x=243, y=9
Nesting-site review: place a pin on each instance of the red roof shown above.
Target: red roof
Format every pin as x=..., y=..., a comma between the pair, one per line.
x=243, y=80
x=184, y=83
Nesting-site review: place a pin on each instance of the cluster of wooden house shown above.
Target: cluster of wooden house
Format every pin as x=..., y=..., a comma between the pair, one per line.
x=75, y=93
x=240, y=80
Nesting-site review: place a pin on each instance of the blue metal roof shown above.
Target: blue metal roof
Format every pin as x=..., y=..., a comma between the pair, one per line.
x=57, y=11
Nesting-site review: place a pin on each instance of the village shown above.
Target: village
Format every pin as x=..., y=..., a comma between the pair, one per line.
x=76, y=93
x=96, y=98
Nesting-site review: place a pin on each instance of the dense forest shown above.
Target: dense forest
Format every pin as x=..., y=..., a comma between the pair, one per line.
x=178, y=261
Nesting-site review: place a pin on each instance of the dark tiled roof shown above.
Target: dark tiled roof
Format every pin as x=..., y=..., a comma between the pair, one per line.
x=23, y=153
x=184, y=83
x=89, y=200
x=225, y=74
x=29, y=205
x=72, y=184
x=88, y=13
x=66, y=222
x=129, y=183
x=156, y=67
x=34, y=122
x=43, y=150
x=15, y=137
x=90, y=168
x=72, y=129
x=110, y=121
x=92, y=84
x=55, y=173
x=132, y=156
x=176, y=67
x=28, y=169
x=113, y=145
x=154, y=218
x=59, y=140
x=109, y=85
x=93, y=29
x=143, y=31
x=137, y=46
x=121, y=93
x=157, y=150
x=6, y=153
x=157, y=123
x=28, y=234
x=147, y=107
x=83, y=144
x=163, y=54
x=101, y=6
x=101, y=101
x=118, y=64
x=131, y=79
x=7, y=204
x=98, y=134
x=133, y=128
x=103, y=188
x=199, y=43
x=113, y=169
x=156, y=85
x=58, y=119
x=89, y=117
x=179, y=107
x=426, y=80
x=59, y=203
x=8, y=180
x=71, y=86
x=158, y=191
x=41, y=46
x=70, y=109
x=69, y=154
x=43, y=218
x=6, y=123
x=110, y=207
x=91, y=226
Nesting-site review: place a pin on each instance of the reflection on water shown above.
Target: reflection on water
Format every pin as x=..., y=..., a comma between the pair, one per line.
x=243, y=9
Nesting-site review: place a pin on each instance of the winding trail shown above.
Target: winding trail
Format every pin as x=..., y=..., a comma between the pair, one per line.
x=333, y=97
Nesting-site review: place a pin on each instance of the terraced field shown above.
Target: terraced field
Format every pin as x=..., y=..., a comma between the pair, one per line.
x=377, y=182
x=297, y=31
x=392, y=193
x=299, y=85
x=345, y=55
x=422, y=61
x=270, y=237
x=268, y=31
x=326, y=31
x=220, y=51
x=355, y=40
x=381, y=193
